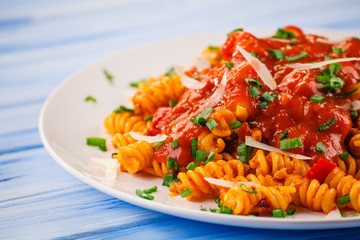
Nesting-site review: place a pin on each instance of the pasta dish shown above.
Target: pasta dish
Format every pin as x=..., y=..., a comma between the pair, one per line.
x=259, y=124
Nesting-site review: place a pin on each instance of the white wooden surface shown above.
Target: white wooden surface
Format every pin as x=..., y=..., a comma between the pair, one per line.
x=43, y=42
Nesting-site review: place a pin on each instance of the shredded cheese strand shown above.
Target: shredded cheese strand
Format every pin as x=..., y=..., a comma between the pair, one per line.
x=253, y=143
x=260, y=68
x=302, y=66
x=229, y=184
x=188, y=81
x=149, y=139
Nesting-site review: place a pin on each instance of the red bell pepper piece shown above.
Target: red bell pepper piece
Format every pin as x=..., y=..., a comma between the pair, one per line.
x=320, y=170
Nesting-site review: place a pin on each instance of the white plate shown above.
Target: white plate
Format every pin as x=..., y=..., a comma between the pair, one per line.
x=67, y=120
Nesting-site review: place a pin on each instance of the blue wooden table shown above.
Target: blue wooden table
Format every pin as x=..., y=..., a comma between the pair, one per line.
x=42, y=42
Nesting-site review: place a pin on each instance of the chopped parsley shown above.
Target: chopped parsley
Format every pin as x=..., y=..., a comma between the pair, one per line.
x=90, y=99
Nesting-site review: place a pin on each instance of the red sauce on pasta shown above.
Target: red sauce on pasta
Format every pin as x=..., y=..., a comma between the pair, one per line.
x=291, y=110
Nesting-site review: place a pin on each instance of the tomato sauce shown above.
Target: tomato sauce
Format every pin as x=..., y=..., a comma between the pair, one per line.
x=291, y=110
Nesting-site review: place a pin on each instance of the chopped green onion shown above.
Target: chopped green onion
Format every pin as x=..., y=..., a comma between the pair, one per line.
x=157, y=145
x=283, y=34
x=254, y=54
x=103, y=147
x=347, y=93
x=172, y=163
x=149, y=118
x=229, y=65
x=174, y=144
x=169, y=178
x=200, y=155
x=278, y=54
x=344, y=156
x=337, y=50
x=253, y=82
x=320, y=147
x=210, y=157
x=123, y=108
x=144, y=195
x=196, y=77
x=269, y=97
x=334, y=68
x=322, y=78
x=317, y=98
x=254, y=92
x=278, y=213
x=185, y=193
x=297, y=57
x=284, y=135
x=191, y=166
x=225, y=210
x=90, y=98
x=172, y=103
x=194, y=143
x=354, y=114
x=244, y=152
x=200, y=118
x=218, y=202
x=291, y=143
x=170, y=72
x=150, y=190
x=263, y=105
x=290, y=211
x=344, y=200
x=213, y=47
x=235, y=30
x=246, y=189
x=355, y=215
x=235, y=124
x=202, y=208
x=211, y=124
x=97, y=142
x=336, y=82
x=326, y=125
x=108, y=76
x=343, y=215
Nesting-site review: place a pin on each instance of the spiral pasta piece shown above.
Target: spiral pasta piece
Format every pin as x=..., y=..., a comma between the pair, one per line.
x=275, y=162
x=121, y=140
x=158, y=169
x=354, y=145
x=194, y=179
x=268, y=198
x=312, y=194
x=136, y=156
x=263, y=180
x=157, y=93
x=223, y=118
x=345, y=184
x=124, y=122
x=241, y=113
x=208, y=141
x=350, y=166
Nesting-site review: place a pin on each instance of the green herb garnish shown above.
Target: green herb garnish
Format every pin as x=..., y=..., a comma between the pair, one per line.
x=90, y=99
x=291, y=143
x=320, y=147
x=326, y=125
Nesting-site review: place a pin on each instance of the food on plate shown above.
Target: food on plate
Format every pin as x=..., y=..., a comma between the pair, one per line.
x=274, y=119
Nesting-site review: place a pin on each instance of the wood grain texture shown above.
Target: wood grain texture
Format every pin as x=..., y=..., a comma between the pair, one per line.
x=43, y=42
